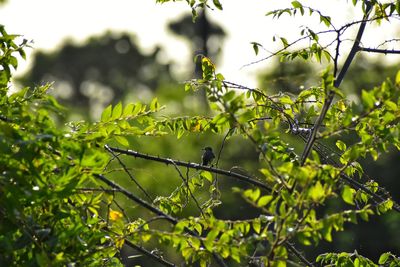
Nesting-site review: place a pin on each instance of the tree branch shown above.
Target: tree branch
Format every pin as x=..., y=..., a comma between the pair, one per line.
x=136, y=199
x=337, y=82
x=128, y=172
x=292, y=249
x=154, y=210
x=196, y=166
x=149, y=254
x=5, y=119
x=352, y=182
x=380, y=51
x=186, y=183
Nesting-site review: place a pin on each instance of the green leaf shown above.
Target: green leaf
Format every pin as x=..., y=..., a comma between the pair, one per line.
x=341, y=145
x=367, y=99
x=228, y=96
x=210, y=238
x=154, y=105
x=348, y=194
x=257, y=225
x=207, y=175
x=253, y=195
x=199, y=229
x=356, y=262
x=117, y=111
x=383, y=258
x=304, y=238
x=288, y=198
x=317, y=192
x=122, y=140
x=398, y=78
x=326, y=20
x=286, y=100
x=128, y=109
x=255, y=47
x=284, y=42
x=297, y=4
x=220, y=77
x=217, y=4
x=264, y=200
x=137, y=109
x=327, y=232
x=390, y=105
x=235, y=254
x=385, y=206
x=106, y=115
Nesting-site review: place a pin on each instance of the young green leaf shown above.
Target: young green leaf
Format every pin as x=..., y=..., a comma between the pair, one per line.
x=122, y=140
x=341, y=145
x=106, y=115
x=117, y=111
x=217, y=4
x=348, y=194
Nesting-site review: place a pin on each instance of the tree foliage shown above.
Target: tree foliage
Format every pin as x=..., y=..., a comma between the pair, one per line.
x=61, y=186
x=103, y=70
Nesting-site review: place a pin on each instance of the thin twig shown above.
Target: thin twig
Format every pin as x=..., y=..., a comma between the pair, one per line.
x=186, y=182
x=128, y=172
x=149, y=254
x=380, y=51
x=136, y=199
x=292, y=249
x=219, y=156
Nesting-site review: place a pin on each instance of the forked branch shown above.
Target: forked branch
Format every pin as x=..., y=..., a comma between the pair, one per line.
x=337, y=82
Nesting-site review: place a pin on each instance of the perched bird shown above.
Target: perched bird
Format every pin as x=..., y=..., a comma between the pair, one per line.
x=207, y=156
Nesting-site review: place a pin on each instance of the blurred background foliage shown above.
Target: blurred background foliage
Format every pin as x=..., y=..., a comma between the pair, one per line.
x=111, y=67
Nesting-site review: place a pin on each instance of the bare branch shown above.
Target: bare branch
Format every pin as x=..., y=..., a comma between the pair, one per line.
x=196, y=166
x=389, y=41
x=128, y=172
x=380, y=51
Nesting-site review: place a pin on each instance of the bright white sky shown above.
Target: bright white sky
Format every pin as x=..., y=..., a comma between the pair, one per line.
x=50, y=22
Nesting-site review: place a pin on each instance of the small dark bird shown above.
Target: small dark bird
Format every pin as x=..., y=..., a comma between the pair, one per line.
x=207, y=156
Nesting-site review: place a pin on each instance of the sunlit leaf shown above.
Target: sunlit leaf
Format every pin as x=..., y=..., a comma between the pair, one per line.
x=122, y=140
x=117, y=111
x=348, y=194
x=106, y=115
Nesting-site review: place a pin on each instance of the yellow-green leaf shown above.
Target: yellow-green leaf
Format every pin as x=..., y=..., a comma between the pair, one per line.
x=341, y=145
x=347, y=195
x=317, y=192
x=154, y=105
x=264, y=200
x=257, y=226
x=117, y=111
x=106, y=115
x=398, y=78
x=207, y=175
x=122, y=140
x=128, y=109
